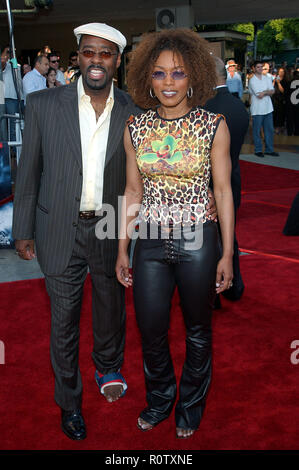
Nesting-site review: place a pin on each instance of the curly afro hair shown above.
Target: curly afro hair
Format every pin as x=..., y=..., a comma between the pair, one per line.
x=199, y=63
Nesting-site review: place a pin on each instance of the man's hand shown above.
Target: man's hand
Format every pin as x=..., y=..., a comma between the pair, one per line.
x=211, y=209
x=25, y=249
x=264, y=93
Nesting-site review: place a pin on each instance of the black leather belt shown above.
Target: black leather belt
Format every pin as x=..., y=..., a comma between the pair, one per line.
x=87, y=214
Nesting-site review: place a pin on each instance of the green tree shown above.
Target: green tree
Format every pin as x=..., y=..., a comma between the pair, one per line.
x=246, y=28
x=291, y=30
x=269, y=39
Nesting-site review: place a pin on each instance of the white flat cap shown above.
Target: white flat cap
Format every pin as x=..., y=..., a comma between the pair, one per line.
x=102, y=30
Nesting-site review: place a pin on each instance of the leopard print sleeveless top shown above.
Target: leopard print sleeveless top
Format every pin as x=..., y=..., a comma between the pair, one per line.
x=173, y=157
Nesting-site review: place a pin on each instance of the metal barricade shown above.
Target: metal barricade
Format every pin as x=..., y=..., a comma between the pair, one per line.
x=13, y=120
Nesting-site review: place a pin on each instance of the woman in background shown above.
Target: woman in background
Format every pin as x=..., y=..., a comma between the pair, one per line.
x=51, y=78
x=279, y=101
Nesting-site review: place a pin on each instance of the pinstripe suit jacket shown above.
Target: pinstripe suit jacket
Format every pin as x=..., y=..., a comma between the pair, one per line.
x=49, y=177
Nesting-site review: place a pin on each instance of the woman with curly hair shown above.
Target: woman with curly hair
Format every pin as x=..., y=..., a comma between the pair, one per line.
x=172, y=148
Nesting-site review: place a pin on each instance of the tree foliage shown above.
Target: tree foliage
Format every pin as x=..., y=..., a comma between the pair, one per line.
x=291, y=30
x=269, y=39
x=270, y=36
x=246, y=28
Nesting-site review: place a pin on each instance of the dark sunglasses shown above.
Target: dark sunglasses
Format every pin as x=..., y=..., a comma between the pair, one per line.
x=54, y=61
x=102, y=54
x=175, y=75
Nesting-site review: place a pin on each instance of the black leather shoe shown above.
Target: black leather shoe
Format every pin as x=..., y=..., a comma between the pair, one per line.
x=273, y=154
x=72, y=424
x=259, y=154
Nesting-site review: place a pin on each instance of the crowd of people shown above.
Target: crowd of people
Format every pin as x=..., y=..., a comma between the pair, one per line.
x=38, y=76
x=45, y=72
x=164, y=145
x=284, y=79
x=47, y=66
x=272, y=99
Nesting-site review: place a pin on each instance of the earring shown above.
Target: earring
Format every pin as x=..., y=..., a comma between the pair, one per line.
x=190, y=92
x=151, y=94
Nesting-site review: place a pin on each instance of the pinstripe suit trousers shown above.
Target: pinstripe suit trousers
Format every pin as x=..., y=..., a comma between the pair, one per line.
x=108, y=316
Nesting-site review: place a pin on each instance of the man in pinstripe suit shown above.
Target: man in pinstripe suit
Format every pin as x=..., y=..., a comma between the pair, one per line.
x=73, y=162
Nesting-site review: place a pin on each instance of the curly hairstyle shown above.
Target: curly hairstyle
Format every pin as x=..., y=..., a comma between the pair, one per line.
x=197, y=59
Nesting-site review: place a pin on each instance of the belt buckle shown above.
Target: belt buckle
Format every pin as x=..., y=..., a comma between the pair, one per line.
x=87, y=214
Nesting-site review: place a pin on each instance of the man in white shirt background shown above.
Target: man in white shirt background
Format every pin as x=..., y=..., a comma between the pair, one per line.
x=36, y=80
x=261, y=89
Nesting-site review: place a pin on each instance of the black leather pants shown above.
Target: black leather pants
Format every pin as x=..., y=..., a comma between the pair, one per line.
x=159, y=266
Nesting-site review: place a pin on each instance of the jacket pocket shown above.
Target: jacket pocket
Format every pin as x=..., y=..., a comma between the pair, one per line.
x=42, y=208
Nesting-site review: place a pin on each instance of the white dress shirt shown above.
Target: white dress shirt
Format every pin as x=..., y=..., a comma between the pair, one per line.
x=94, y=137
x=260, y=106
x=33, y=81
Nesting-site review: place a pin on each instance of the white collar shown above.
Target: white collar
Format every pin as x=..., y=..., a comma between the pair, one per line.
x=82, y=95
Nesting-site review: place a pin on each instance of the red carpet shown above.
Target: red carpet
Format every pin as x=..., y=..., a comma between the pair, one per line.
x=267, y=195
x=257, y=177
x=253, y=401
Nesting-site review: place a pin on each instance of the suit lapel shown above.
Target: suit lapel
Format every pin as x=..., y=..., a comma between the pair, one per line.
x=70, y=119
x=116, y=128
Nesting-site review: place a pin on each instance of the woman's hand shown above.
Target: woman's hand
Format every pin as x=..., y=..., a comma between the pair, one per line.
x=211, y=208
x=122, y=270
x=224, y=274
